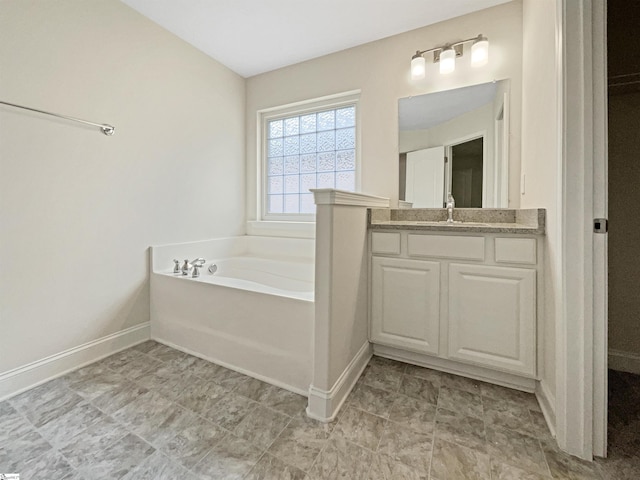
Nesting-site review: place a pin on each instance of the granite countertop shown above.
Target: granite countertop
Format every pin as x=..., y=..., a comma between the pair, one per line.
x=468, y=220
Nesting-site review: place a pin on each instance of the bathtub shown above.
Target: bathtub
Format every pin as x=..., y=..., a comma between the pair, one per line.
x=254, y=315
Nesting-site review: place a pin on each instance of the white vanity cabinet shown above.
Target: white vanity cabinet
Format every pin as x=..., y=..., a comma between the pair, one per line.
x=456, y=301
x=406, y=303
x=492, y=316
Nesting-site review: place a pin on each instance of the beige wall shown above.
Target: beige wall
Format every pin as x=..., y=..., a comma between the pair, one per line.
x=540, y=160
x=78, y=210
x=624, y=230
x=470, y=123
x=381, y=71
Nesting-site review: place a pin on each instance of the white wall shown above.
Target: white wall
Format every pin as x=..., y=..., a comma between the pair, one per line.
x=540, y=161
x=78, y=210
x=381, y=71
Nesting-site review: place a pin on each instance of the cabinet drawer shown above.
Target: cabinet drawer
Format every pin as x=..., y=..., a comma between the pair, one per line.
x=386, y=243
x=446, y=246
x=515, y=250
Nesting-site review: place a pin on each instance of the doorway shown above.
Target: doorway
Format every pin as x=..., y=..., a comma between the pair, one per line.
x=466, y=167
x=623, y=78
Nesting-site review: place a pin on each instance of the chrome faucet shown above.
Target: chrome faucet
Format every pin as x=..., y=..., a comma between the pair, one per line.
x=451, y=204
x=198, y=261
x=196, y=270
x=187, y=266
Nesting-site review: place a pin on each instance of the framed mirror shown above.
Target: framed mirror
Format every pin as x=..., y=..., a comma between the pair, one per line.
x=455, y=141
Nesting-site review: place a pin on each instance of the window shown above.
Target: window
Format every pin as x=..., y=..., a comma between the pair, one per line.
x=305, y=149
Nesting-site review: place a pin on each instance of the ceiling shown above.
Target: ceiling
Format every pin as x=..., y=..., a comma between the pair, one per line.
x=255, y=36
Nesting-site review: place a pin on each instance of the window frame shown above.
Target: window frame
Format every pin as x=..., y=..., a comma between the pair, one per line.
x=264, y=116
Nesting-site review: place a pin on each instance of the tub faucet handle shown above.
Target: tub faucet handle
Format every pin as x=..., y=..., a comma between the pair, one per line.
x=176, y=266
x=186, y=266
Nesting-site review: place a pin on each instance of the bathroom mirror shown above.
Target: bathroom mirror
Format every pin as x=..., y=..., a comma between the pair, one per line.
x=457, y=141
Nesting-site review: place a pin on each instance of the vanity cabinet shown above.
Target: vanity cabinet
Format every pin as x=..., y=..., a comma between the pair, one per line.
x=406, y=303
x=492, y=316
x=469, y=299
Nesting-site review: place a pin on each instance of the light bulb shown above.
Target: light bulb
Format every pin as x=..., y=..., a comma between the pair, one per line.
x=418, y=67
x=480, y=52
x=447, y=60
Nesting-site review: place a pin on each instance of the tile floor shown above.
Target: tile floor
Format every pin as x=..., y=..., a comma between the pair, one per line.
x=154, y=413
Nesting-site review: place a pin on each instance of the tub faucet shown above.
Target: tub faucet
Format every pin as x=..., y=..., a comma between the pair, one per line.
x=187, y=266
x=198, y=261
x=451, y=203
x=196, y=270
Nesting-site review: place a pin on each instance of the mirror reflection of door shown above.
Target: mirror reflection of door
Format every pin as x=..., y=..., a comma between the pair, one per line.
x=423, y=180
x=466, y=173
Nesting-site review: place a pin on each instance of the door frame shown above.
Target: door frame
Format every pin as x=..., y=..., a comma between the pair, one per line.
x=600, y=242
x=501, y=173
x=581, y=356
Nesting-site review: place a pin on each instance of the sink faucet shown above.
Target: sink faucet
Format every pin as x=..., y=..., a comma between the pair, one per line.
x=451, y=203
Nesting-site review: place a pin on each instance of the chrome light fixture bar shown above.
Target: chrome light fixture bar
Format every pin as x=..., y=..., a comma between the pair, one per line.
x=446, y=56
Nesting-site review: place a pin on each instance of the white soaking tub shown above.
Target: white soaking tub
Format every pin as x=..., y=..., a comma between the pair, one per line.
x=255, y=314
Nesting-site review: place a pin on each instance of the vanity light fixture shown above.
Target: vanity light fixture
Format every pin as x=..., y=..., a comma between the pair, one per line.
x=446, y=56
x=447, y=60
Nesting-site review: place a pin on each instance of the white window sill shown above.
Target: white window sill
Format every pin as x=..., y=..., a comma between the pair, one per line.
x=282, y=229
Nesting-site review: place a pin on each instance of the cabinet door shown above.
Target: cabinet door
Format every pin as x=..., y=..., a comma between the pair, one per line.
x=492, y=312
x=405, y=302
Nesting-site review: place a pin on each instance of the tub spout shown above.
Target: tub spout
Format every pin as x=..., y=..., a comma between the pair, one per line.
x=196, y=271
x=188, y=266
x=198, y=261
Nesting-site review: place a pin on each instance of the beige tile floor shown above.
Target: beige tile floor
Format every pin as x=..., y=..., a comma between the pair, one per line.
x=152, y=412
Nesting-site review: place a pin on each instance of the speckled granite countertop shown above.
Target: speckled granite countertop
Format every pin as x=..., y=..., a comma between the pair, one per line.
x=470, y=220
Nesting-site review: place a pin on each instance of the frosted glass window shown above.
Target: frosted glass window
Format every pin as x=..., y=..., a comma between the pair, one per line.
x=326, y=161
x=326, y=180
x=275, y=203
x=308, y=163
x=275, y=184
x=346, y=117
x=306, y=151
x=275, y=166
x=275, y=129
x=291, y=164
x=307, y=205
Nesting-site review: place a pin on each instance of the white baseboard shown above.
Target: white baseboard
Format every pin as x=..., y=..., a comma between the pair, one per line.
x=624, y=361
x=547, y=403
x=457, y=368
x=28, y=376
x=324, y=405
